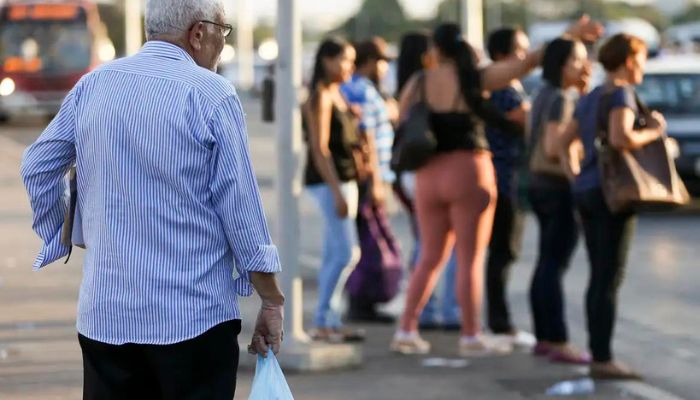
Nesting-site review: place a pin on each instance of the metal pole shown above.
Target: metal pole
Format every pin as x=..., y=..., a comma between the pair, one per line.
x=289, y=148
x=132, y=26
x=244, y=43
x=472, y=19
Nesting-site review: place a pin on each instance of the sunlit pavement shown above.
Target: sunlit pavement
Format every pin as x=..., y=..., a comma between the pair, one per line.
x=657, y=333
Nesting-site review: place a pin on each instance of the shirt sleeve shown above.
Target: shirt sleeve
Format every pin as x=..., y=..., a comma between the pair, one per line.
x=623, y=98
x=44, y=166
x=236, y=197
x=507, y=100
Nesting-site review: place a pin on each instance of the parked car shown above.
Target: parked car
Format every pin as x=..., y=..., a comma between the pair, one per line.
x=672, y=86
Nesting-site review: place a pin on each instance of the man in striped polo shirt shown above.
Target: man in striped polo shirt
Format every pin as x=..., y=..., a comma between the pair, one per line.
x=170, y=209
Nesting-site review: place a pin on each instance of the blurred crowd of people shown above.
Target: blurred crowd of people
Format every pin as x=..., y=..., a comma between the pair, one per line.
x=497, y=152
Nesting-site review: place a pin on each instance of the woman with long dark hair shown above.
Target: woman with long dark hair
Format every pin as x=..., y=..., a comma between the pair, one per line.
x=608, y=234
x=456, y=189
x=331, y=178
x=565, y=68
x=415, y=56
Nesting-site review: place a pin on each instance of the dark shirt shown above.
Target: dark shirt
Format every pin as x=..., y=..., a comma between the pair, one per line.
x=457, y=131
x=587, y=115
x=343, y=137
x=507, y=149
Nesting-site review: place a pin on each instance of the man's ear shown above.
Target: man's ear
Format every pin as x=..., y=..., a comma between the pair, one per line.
x=196, y=36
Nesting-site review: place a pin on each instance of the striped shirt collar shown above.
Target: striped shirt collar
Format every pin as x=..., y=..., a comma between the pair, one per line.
x=159, y=48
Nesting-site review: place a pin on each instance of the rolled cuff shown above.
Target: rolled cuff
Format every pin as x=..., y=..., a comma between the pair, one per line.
x=266, y=259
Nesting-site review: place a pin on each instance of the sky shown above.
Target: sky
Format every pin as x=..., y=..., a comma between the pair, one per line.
x=327, y=13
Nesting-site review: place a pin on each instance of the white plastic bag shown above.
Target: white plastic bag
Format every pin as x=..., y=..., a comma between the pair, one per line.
x=269, y=382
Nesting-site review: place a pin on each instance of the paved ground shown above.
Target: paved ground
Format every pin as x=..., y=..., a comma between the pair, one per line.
x=660, y=318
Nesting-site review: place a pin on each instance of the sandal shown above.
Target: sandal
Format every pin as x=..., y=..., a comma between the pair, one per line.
x=613, y=371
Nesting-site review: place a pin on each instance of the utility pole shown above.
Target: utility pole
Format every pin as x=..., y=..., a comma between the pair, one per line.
x=245, y=51
x=472, y=20
x=298, y=352
x=133, y=28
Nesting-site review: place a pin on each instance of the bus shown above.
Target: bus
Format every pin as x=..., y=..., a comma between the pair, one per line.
x=45, y=48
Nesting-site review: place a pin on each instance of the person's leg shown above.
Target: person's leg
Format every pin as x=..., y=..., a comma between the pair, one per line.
x=610, y=236
x=360, y=308
x=436, y=242
x=112, y=372
x=472, y=210
x=201, y=368
x=503, y=248
x=536, y=293
x=561, y=237
x=339, y=250
x=450, y=309
x=558, y=238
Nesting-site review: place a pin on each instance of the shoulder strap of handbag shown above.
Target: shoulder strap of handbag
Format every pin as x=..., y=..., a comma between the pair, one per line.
x=603, y=113
x=422, y=87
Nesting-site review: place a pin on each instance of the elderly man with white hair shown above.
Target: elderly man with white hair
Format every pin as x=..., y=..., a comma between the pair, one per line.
x=170, y=209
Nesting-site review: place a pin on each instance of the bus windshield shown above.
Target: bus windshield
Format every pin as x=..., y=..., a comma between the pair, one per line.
x=45, y=46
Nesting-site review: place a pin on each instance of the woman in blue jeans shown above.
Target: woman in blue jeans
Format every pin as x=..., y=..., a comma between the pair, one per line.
x=331, y=178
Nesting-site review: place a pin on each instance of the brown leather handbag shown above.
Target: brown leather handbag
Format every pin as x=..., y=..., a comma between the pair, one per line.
x=637, y=180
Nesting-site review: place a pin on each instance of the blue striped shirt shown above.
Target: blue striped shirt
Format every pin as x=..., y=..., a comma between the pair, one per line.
x=167, y=193
x=375, y=118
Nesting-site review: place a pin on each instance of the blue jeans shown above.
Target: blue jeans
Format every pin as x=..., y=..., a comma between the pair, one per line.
x=447, y=308
x=340, y=251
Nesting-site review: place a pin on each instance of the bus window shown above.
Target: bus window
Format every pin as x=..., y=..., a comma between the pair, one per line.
x=61, y=44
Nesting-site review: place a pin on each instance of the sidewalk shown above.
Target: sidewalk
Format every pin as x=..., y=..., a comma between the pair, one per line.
x=40, y=358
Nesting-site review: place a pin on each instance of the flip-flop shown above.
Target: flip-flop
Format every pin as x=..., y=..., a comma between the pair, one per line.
x=561, y=357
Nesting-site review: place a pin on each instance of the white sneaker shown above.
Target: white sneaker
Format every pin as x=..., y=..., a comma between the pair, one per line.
x=521, y=340
x=484, y=345
x=409, y=343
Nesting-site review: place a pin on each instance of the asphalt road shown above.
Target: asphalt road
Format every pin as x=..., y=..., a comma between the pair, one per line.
x=660, y=300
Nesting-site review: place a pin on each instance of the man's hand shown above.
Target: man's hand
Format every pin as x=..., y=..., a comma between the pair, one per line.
x=586, y=30
x=268, y=327
x=268, y=331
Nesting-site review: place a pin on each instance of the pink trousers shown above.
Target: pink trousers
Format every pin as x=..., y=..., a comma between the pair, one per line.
x=455, y=204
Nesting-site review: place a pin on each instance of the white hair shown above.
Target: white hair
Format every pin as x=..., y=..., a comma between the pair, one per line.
x=172, y=17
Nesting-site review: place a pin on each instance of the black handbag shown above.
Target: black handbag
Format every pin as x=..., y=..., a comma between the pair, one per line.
x=415, y=142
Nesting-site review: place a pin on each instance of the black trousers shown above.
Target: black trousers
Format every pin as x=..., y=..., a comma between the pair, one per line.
x=204, y=367
x=608, y=238
x=504, y=248
x=554, y=208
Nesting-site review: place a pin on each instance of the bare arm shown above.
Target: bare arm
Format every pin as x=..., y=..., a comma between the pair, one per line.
x=569, y=150
x=622, y=133
x=319, y=118
x=377, y=188
x=519, y=115
x=554, y=138
x=499, y=74
x=266, y=286
x=408, y=97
